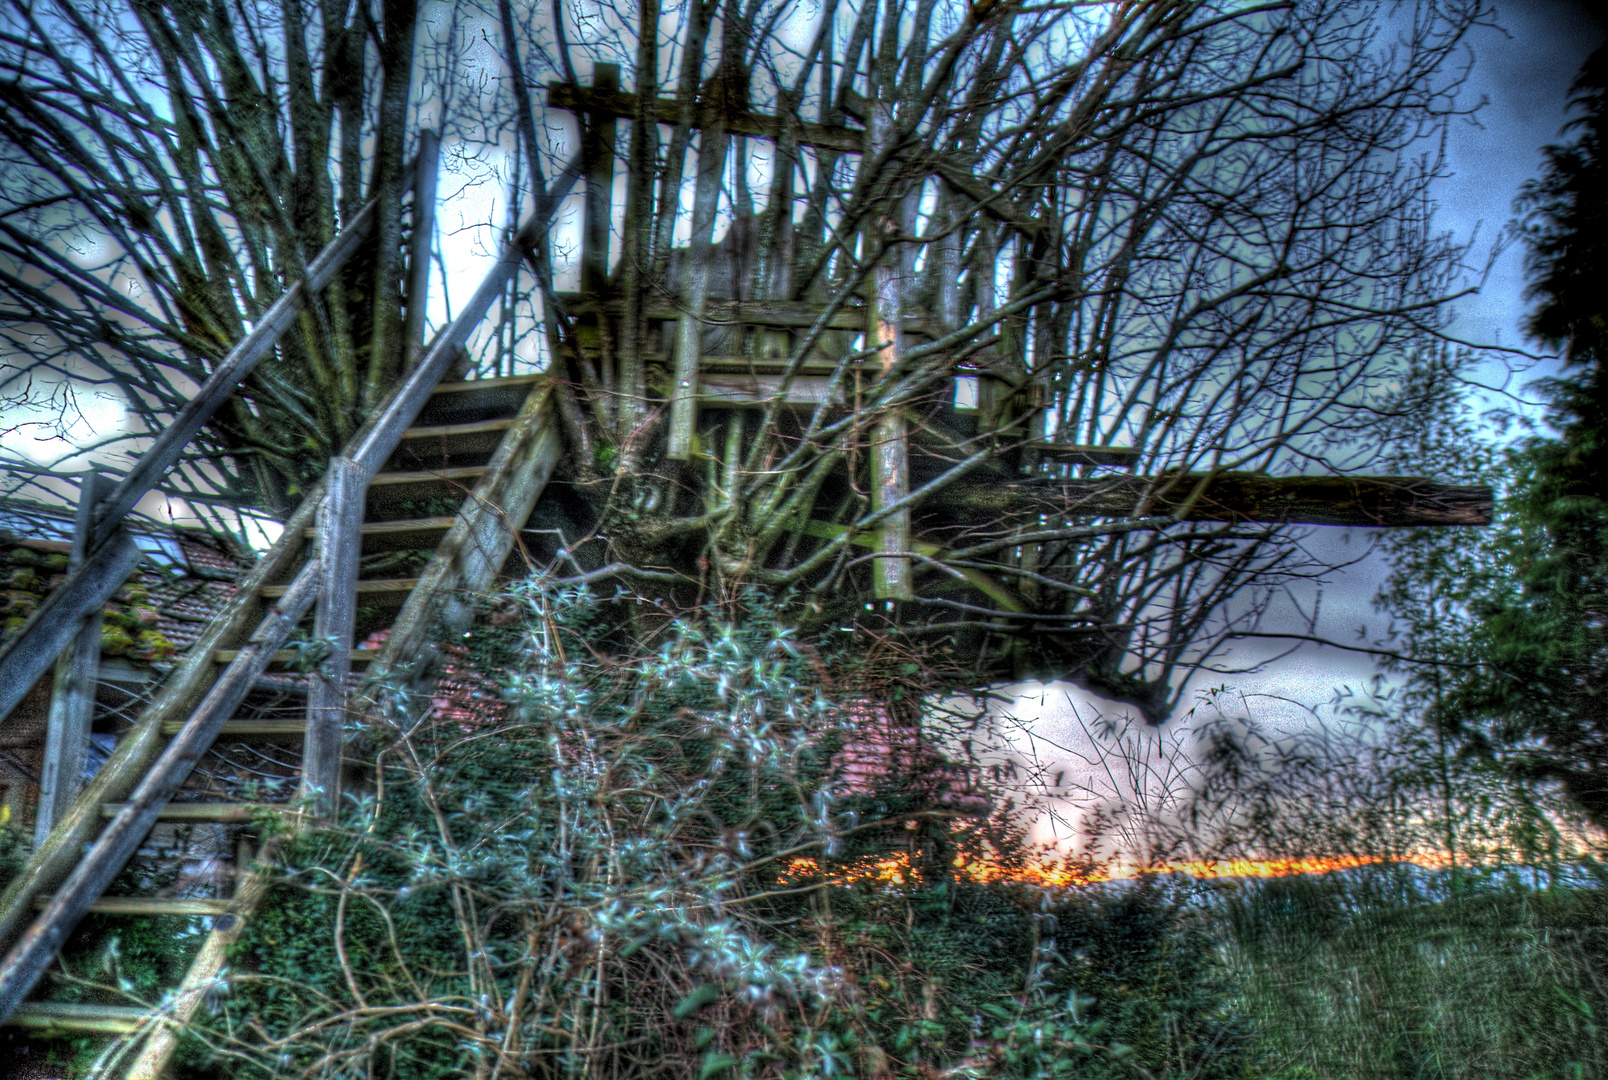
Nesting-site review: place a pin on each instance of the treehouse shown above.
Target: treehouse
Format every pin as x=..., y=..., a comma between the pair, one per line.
x=885, y=447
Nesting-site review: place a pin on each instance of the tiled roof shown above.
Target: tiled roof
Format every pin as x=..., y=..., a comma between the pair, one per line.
x=185, y=578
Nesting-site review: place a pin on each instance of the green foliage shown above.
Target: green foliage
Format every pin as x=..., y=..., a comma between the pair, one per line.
x=1522, y=611
x=597, y=876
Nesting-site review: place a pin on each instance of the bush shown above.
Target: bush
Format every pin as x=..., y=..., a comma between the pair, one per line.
x=635, y=862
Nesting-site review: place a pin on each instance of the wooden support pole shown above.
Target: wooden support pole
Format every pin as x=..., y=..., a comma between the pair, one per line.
x=597, y=163
x=340, y=543
x=695, y=292
x=72, y=701
x=421, y=243
x=890, y=443
x=27, y=960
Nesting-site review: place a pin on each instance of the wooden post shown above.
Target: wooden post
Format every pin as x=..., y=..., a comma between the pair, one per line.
x=695, y=292
x=340, y=540
x=72, y=702
x=597, y=162
x=421, y=242
x=890, y=449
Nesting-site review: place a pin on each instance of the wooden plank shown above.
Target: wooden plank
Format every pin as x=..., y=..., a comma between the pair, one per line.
x=891, y=576
x=55, y=623
x=251, y=729
x=225, y=813
x=421, y=242
x=695, y=293
x=791, y=314
x=1353, y=501
x=152, y=905
x=27, y=960
x=372, y=586
x=340, y=544
x=461, y=472
x=580, y=99
x=502, y=382
x=719, y=365
x=72, y=700
x=758, y=390
x=447, y=431
x=51, y=1016
x=394, y=528
x=1087, y=455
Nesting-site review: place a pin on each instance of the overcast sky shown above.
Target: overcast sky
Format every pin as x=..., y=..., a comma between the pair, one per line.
x=1522, y=71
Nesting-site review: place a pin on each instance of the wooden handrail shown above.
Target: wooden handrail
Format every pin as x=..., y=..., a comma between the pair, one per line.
x=27, y=656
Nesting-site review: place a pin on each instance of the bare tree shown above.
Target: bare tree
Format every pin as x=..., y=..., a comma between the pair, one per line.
x=1188, y=243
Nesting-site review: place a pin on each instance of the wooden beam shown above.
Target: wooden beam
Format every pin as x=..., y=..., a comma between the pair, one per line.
x=778, y=313
x=27, y=960
x=1077, y=454
x=597, y=162
x=421, y=242
x=55, y=1016
x=72, y=701
x=890, y=441
x=580, y=99
x=1357, y=501
x=695, y=292
x=756, y=390
x=340, y=545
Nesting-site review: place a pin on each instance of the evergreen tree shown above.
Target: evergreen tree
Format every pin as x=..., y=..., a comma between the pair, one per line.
x=1546, y=639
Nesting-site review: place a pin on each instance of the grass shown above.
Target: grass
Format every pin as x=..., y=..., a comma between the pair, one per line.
x=1501, y=981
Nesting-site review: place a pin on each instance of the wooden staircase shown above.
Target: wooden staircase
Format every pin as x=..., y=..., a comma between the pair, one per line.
x=487, y=445
x=438, y=482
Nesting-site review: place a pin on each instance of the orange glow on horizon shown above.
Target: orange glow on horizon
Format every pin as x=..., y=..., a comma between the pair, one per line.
x=896, y=869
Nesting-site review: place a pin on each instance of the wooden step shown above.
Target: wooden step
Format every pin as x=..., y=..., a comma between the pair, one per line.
x=376, y=585
x=77, y=1019
x=397, y=528
x=149, y=905
x=225, y=813
x=487, y=384
x=447, y=431
x=285, y=656
x=461, y=472
x=249, y=729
